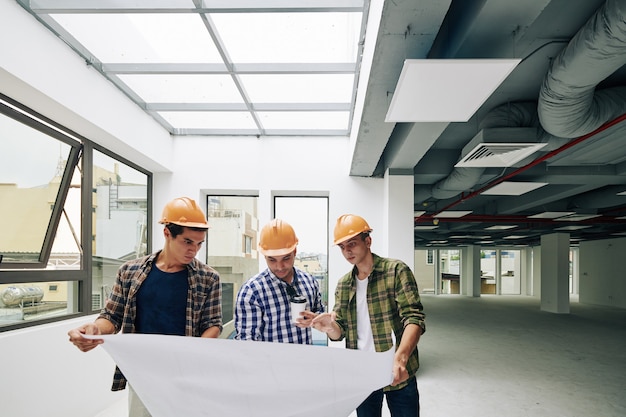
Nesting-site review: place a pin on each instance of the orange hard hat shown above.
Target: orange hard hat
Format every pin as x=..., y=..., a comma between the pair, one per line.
x=277, y=238
x=348, y=226
x=184, y=211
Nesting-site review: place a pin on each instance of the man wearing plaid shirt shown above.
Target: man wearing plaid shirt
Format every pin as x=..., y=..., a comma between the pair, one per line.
x=168, y=292
x=377, y=307
x=263, y=305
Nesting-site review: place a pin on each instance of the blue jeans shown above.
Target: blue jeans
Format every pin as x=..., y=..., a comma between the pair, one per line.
x=404, y=402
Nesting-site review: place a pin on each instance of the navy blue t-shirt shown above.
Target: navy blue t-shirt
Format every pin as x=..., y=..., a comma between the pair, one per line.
x=162, y=303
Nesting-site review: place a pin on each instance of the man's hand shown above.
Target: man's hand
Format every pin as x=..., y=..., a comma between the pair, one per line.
x=324, y=322
x=82, y=343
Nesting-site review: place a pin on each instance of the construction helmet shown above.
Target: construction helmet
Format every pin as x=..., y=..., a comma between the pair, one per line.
x=348, y=226
x=184, y=211
x=277, y=238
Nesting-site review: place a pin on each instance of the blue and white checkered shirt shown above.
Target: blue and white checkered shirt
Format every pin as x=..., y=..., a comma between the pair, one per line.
x=262, y=309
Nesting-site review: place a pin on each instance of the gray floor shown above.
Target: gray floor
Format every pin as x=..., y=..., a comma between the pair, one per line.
x=501, y=356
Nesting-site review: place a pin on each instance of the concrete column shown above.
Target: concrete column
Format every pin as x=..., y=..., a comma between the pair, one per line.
x=470, y=273
x=437, y=265
x=535, y=289
x=527, y=271
x=398, y=238
x=555, y=273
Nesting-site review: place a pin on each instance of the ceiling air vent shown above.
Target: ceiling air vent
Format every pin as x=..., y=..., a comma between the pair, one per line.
x=485, y=155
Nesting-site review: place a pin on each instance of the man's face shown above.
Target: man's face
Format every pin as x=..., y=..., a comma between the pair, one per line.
x=355, y=249
x=186, y=245
x=282, y=266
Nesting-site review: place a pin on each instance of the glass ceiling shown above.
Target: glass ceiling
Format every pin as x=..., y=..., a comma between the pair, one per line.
x=227, y=67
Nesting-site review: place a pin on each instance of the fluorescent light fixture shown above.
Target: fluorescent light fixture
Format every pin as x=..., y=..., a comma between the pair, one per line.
x=445, y=90
x=577, y=217
x=566, y=228
x=551, y=214
x=485, y=242
x=514, y=237
x=418, y=213
x=425, y=227
x=501, y=227
x=622, y=193
x=451, y=214
x=513, y=188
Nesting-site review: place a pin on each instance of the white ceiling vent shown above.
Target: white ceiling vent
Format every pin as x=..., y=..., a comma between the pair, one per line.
x=485, y=155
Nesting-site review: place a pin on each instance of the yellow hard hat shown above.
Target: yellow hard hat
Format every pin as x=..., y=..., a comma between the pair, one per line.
x=277, y=238
x=348, y=226
x=184, y=211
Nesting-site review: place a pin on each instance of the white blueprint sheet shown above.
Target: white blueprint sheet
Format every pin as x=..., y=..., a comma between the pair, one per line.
x=196, y=377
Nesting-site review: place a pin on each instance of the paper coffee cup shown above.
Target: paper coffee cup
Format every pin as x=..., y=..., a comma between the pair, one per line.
x=298, y=305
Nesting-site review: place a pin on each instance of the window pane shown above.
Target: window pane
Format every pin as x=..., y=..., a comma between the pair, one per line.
x=232, y=247
x=36, y=301
x=510, y=272
x=309, y=218
x=450, y=264
x=67, y=247
x=121, y=221
x=488, y=271
x=29, y=184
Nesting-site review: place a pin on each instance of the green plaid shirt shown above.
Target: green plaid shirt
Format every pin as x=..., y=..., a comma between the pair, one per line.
x=393, y=302
x=204, y=300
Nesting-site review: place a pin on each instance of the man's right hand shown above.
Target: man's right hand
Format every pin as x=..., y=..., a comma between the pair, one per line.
x=82, y=343
x=324, y=322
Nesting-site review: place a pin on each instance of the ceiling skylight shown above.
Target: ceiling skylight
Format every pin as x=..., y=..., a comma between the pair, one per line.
x=223, y=67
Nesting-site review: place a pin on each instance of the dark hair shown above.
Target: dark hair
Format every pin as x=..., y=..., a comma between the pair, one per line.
x=176, y=229
x=364, y=235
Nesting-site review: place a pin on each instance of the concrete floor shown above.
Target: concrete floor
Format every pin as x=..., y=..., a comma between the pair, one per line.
x=500, y=356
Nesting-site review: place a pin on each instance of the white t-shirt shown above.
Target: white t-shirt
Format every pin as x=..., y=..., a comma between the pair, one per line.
x=365, y=338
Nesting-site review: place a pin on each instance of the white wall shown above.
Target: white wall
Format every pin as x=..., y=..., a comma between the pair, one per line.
x=602, y=275
x=43, y=374
x=275, y=166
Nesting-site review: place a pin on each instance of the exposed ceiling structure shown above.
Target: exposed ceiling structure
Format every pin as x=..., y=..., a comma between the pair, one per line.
x=545, y=152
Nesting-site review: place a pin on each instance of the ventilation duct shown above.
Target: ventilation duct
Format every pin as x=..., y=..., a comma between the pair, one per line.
x=568, y=104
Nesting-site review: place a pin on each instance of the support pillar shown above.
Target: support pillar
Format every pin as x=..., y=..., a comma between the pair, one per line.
x=555, y=273
x=399, y=239
x=470, y=274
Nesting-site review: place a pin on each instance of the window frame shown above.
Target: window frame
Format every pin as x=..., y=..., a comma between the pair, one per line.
x=81, y=158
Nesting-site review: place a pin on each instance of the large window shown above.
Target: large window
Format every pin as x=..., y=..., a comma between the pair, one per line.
x=232, y=247
x=120, y=224
x=62, y=199
x=309, y=218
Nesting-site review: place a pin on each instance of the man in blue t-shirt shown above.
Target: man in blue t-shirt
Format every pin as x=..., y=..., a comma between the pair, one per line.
x=159, y=293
